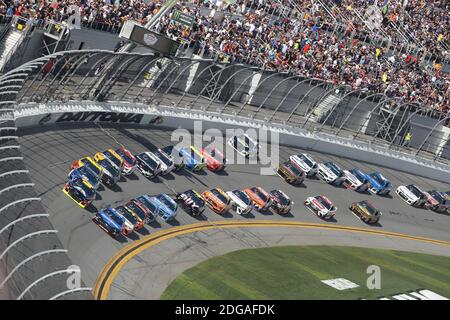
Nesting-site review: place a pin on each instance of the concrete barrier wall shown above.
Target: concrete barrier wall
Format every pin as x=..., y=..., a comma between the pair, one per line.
x=142, y=115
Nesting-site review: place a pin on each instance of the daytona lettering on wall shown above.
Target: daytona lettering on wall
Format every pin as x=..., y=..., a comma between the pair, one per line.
x=100, y=117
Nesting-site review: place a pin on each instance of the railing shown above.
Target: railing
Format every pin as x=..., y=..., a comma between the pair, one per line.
x=228, y=89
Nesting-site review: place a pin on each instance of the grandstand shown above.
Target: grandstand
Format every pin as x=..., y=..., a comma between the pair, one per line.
x=324, y=39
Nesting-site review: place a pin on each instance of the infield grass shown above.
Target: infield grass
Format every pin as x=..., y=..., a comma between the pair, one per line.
x=296, y=272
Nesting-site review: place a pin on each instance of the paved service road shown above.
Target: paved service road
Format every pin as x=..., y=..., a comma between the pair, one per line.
x=48, y=156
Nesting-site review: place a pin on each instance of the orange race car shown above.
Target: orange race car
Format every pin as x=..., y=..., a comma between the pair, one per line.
x=217, y=200
x=261, y=198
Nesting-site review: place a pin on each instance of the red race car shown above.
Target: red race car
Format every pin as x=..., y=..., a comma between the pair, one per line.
x=129, y=161
x=215, y=161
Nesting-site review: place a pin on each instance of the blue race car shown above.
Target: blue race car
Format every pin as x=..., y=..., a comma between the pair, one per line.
x=378, y=184
x=87, y=174
x=167, y=206
x=110, y=220
x=192, y=160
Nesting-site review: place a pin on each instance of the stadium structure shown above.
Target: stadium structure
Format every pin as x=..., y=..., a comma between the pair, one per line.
x=69, y=92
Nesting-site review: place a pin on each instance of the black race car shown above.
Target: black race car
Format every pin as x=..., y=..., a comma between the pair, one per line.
x=192, y=201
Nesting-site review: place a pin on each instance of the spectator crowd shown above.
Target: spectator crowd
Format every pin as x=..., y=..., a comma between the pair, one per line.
x=401, y=49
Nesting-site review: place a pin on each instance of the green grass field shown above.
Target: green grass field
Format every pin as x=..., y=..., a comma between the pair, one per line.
x=295, y=273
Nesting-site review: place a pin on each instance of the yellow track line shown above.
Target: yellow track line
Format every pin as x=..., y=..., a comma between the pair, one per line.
x=116, y=263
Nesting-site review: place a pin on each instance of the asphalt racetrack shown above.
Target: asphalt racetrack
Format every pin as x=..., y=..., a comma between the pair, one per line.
x=48, y=155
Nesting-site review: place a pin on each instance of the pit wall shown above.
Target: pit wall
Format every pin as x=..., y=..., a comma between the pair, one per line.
x=47, y=115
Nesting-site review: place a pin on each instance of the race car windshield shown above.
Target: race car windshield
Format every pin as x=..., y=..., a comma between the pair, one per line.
x=137, y=210
x=123, y=211
x=260, y=194
x=368, y=207
x=438, y=196
x=414, y=190
x=334, y=168
x=281, y=197
x=167, y=202
x=293, y=168
x=219, y=195
x=378, y=178
x=113, y=158
x=162, y=157
x=241, y=195
x=149, y=205
x=305, y=160
x=88, y=173
x=107, y=165
x=198, y=201
x=358, y=174
x=152, y=163
x=88, y=192
x=114, y=217
x=324, y=202
x=123, y=154
x=91, y=166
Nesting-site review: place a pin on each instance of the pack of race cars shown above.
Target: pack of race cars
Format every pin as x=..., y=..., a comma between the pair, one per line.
x=106, y=167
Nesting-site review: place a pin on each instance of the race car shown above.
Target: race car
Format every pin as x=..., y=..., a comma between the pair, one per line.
x=115, y=159
x=193, y=159
x=321, y=206
x=149, y=205
x=412, y=195
x=215, y=161
x=129, y=161
x=111, y=221
x=437, y=201
x=366, y=211
x=90, y=163
x=217, y=200
x=305, y=162
x=175, y=156
x=261, y=199
x=378, y=184
x=356, y=180
x=110, y=173
x=148, y=164
x=167, y=207
x=167, y=164
x=244, y=145
x=192, y=201
x=80, y=191
x=291, y=173
x=240, y=201
x=281, y=203
x=130, y=219
x=330, y=172
x=85, y=173
x=139, y=211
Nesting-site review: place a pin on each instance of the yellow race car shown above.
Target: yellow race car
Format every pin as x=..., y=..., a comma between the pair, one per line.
x=90, y=163
x=366, y=211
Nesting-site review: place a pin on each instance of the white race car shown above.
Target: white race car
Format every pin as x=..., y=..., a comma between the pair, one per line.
x=321, y=206
x=241, y=202
x=330, y=172
x=305, y=162
x=412, y=195
x=167, y=164
x=244, y=145
x=355, y=179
